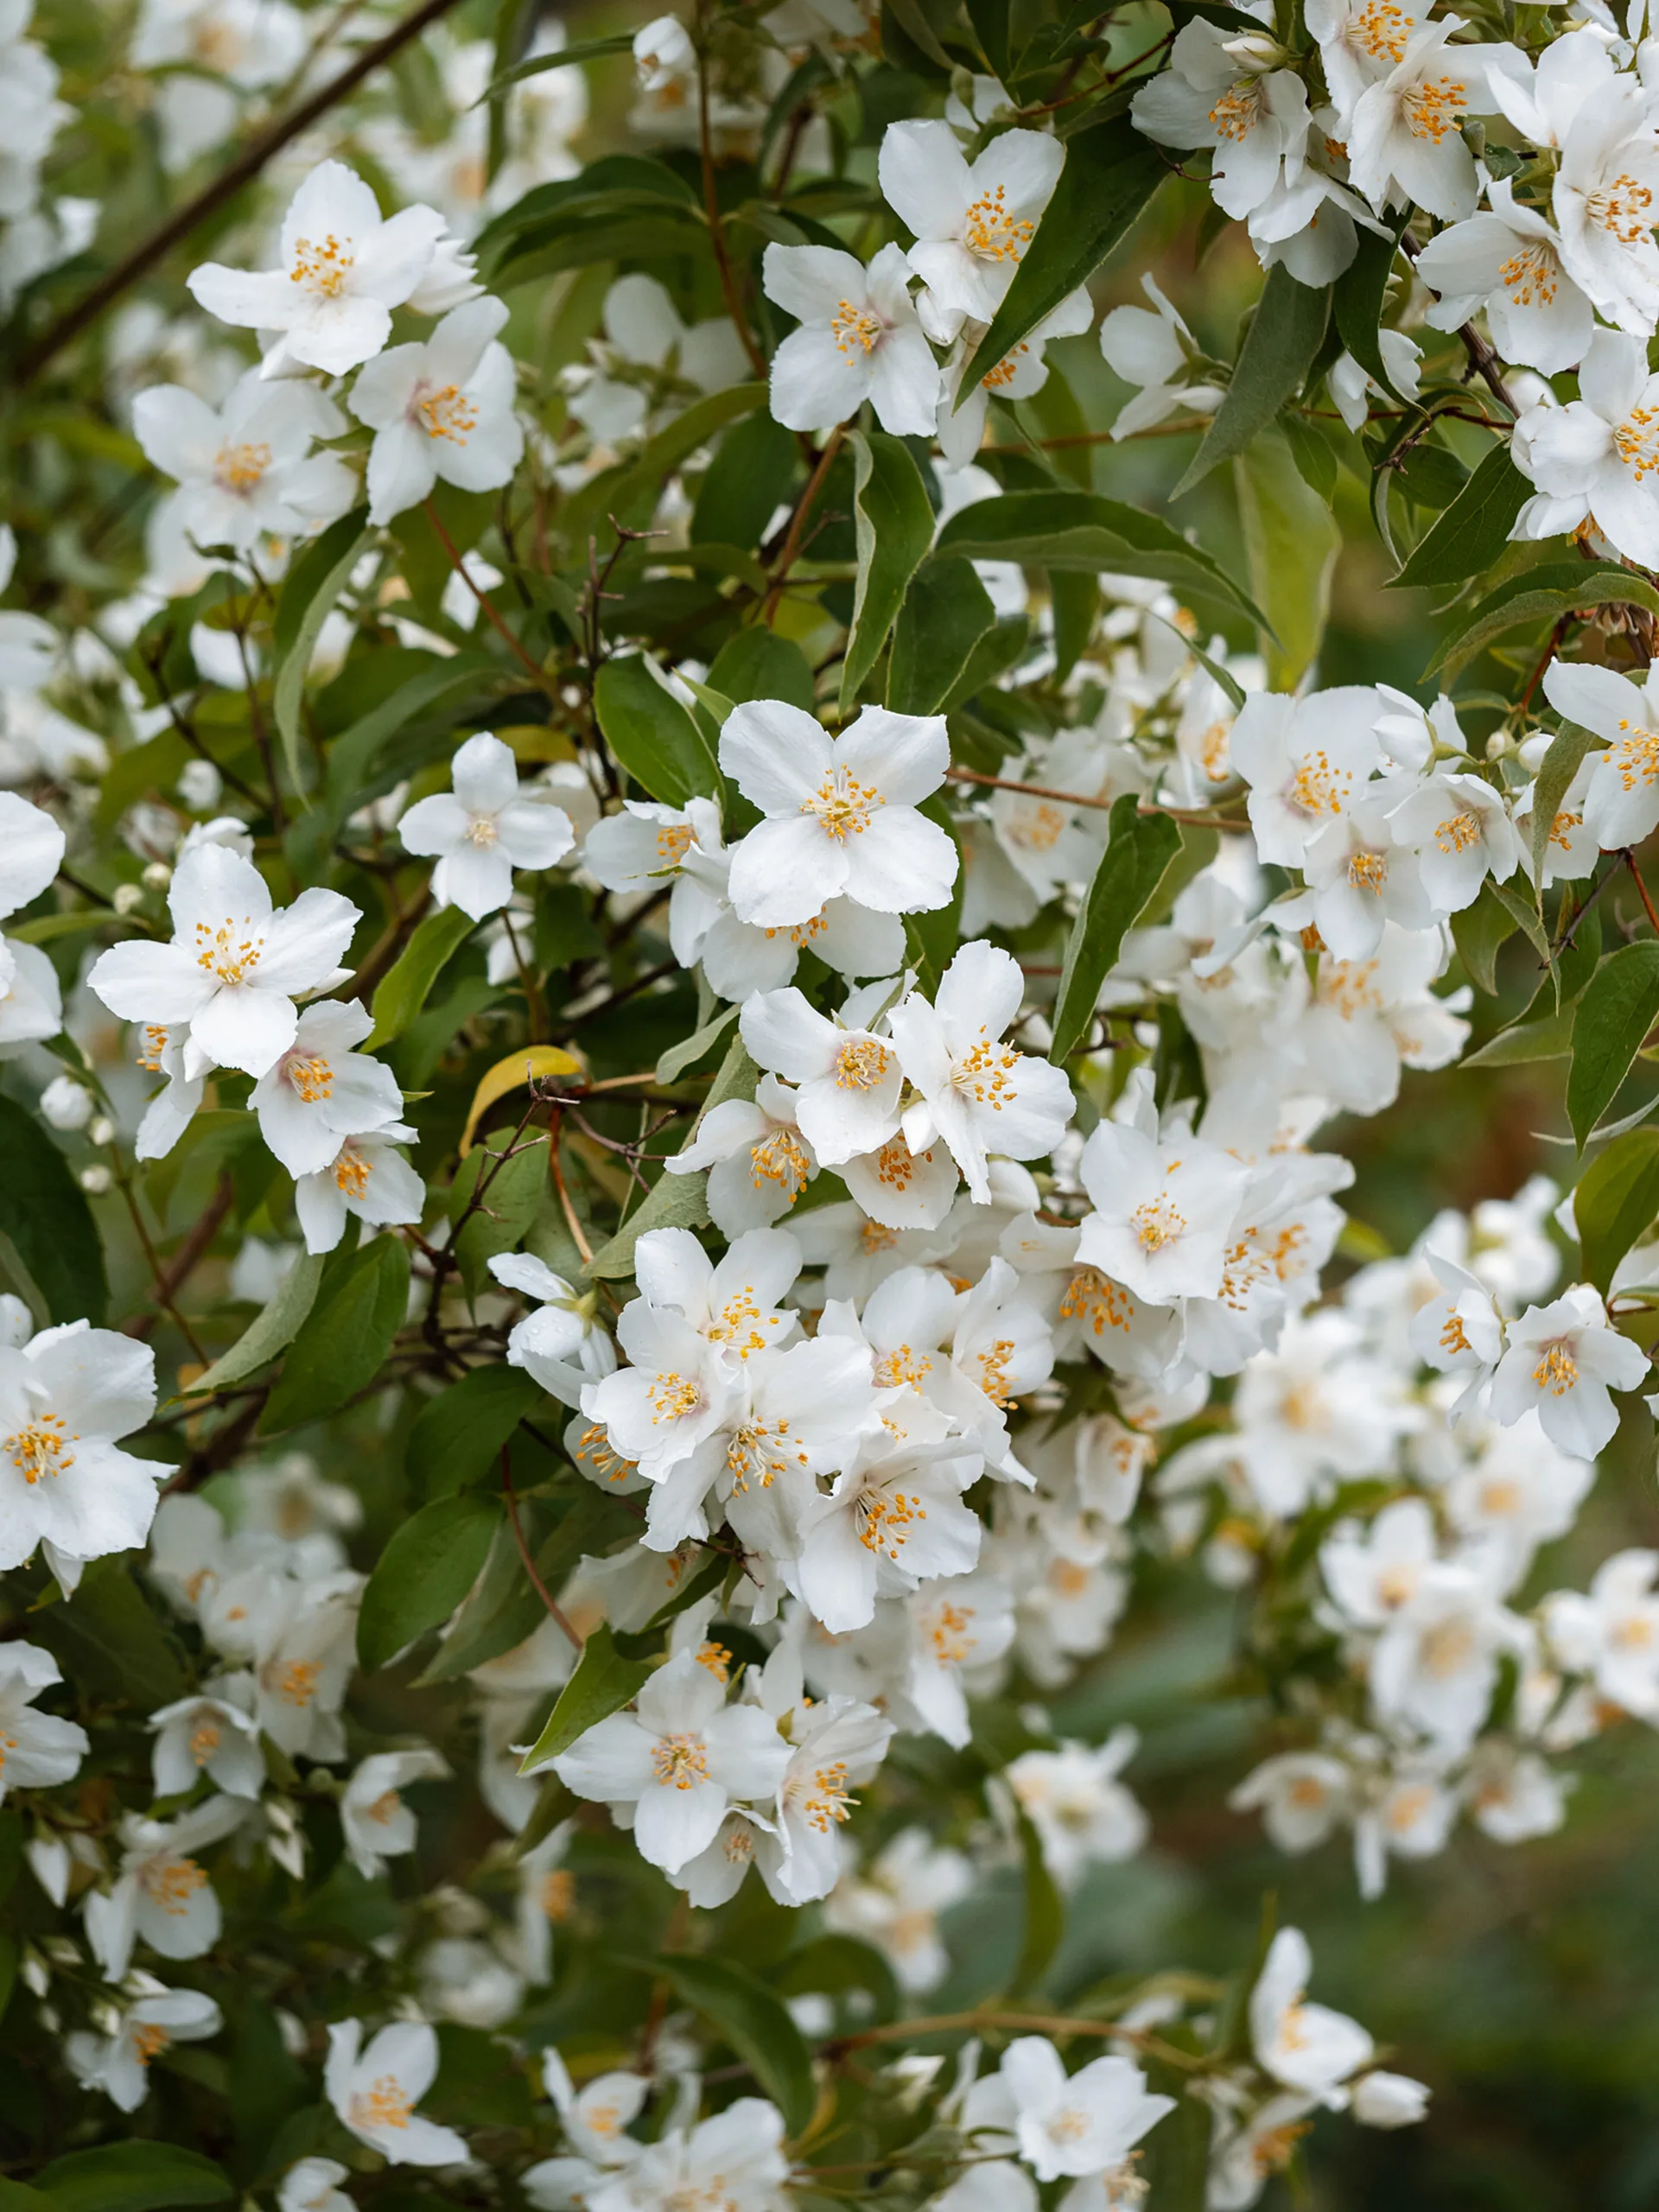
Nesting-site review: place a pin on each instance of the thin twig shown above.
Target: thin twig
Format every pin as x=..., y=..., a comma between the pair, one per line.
x=1205, y=817
x=540, y=1587
x=717, y=227
x=792, y=545
x=495, y=619
x=1628, y=858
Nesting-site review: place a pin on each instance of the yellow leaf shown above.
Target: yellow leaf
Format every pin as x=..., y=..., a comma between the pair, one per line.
x=530, y=1064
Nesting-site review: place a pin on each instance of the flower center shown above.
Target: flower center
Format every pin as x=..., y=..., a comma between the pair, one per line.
x=1157, y=1225
x=1454, y=1336
x=1532, y=272
x=901, y=1366
x=860, y=1064
x=1433, y=108
x=1316, y=787
x=1448, y=1648
x=1636, y=440
x=950, y=1633
x=155, y=1045
x=1037, y=829
x=322, y=269
x=828, y=1799
x=778, y=1158
x=855, y=329
x=558, y=1893
x=1624, y=209
x=884, y=1518
x=41, y=1449
x=172, y=1883
x=1557, y=1371
x=680, y=1761
x=760, y=1451
x=481, y=829
x=296, y=1680
x=204, y=1740
x=448, y=414
x=148, y=2040
x=673, y=1397
x=983, y=1074
x=1369, y=872
x=988, y=228
x=231, y=958
x=1634, y=756
x=1236, y=114
x=843, y=804
x=673, y=843
x=238, y=468
x=352, y=1172
x=993, y=1372
x=1381, y=30
x=382, y=2104
x=313, y=1078
x=1458, y=832
x=1007, y=369
x=1096, y=1299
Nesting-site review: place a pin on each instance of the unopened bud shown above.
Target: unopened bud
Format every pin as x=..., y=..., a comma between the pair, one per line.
x=103, y=1130
x=127, y=897
x=95, y=1181
x=158, y=875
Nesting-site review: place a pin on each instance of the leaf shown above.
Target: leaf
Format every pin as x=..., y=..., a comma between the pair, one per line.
x=403, y=987
x=586, y=50
x=893, y=519
x=1480, y=931
x=342, y=1343
x=830, y=1964
x=1081, y=530
x=314, y=582
x=757, y=663
x=945, y=613
x=1142, y=846
x=271, y=1330
x=458, y=1436
x=512, y=1175
x=132, y=2177
x=676, y=1201
x=1614, y=1014
x=604, y=1682
x=1474, y=529
x=1045, y=1913
x=498, y=1613
x=44, y=1212
x=1291, y=545
x=531, y=1063
x=1357, y=299
x=672, y=1064
x=429, y=1565
x=1543, y=593
x=754, y=472
x=653, y=734
x=1616, y=1198
x=1111, y=172
x=756, y=2024
x=1074, y=600
x=110, y=1642
x=617, y=490
x=1561, y=763
x=1272, y=364
x=1548, y=1039
x=435, y=696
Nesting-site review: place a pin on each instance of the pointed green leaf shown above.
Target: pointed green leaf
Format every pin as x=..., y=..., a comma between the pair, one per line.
x=654, y=736
x=1141, y=848
x=313, y=584
x=603, y=1683
x=1474, y=529
x=1616, y=1198
x=429, y=1565
x=945, y=613
x=757, y=2025
x=1619, y=1008
x=1273, y=363
x=402, y=989
x=343, y=1342
x=894, y=518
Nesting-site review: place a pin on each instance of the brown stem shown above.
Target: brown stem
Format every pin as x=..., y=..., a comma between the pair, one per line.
x=246, y=166
x=484, y=598
x=717, y=227
x=536, y=1584
x=1628, y=858
x=792, y=545
x=1482, y=362
x=1204, y=817
x=170, y=1280
x=385, y=950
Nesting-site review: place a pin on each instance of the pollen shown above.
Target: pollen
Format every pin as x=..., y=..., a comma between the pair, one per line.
x=1636, y=441
x=778, y=1158
x=844, y=805
x=1458, y=832
x=1381, y=29
x=1634, y=756
x=297, y=1681
x=149, y=2039
x=951, y=1634
x=673, y=844
x=238, y=468
x=989, y=229
x=983, y=1074
x=352, y=1172
x=1433, y=108
x=993, y=1372
x=448, y=414
x=673, y=1397
x=1236, y=113
x=382, y=2104
x=1097, y=1300
x=324, y=268
x=860, y=1064
x=155, y=1045
x=1036, y=829
x=1531, y=275
x=1157, y=1225
x=1316, y=787
x=225, y=955
x=828, y=1800
x=1369, y=872
x=1557, y=1371
x=41, y=1449
x=854, y=330
x=1624, y=209
x=313, y=1078
x=481, y=831
x=1453, y=1337
x=679, y=1762
x=172, y=1883
x=204, y=1739
x=885, y=1518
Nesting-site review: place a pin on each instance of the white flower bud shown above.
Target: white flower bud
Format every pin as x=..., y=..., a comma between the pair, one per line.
x=102, y=1130
x=66, y=1103
x=199, y=786
x=158, y=875
x=1389, y=2100
x=95, y=1181
x=127, y=897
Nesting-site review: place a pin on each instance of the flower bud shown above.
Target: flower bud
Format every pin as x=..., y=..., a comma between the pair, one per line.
x=66, y=1103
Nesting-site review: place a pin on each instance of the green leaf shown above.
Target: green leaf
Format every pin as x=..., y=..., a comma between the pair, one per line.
x=1074, y=600
x=458, y=1436
x=518, y=1177
x=1474, y=529
x=1081, y=530
x=1480, y=931
x=1111, y=172
x=673, y=1064
x=618, y=490
x=676, y=1201
x=894, y=518
x=314, y=583
x=1357, y=299
x=945, y=613
x=1614, y=1014
x=586, y=50
x=751, y=474
x=43, y=1210
x=1142, y=846
x=756, y=2024
x=271, y=1330
x=501, y=1608
x=342, y=1343
x=404, y=987
x=830, y=1964
x=604, y=1682
x=1272, y=364
x=430, y=699
x=653, y=734
x=1548, y=1039
x=757, y=663
x=1559, y=765
x=1538, y=596
x=1291, y=545
x=1616, y=1198
x=109, y=1641
x=132, y=2177
x=429, y=1565
x=1045, y=1914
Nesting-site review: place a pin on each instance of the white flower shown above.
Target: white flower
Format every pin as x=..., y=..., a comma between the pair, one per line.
x=1361, y=878
x=304, y=1649
x=1603, y=201
x=1621, y=800
x=848, y=1079
x=1216, y=93
x=759, y=1161
x=1163, y=1211
x=160, y=1892
x=225, y=48
x=441, y=412
x=1152, y=350
x=1458, y=829
x=246, y=471
x=1300, y=1796
x=31, y=852
x=836, y=1744
x=374, y=2092
x=343, y=269
x=320, y=1090
x=664, y=54
x=1562, y=1361
x=1360, y=42
x=894, y=1520
x=977, y=1093
x=1435, y=1663
x=679, y=1759
x=489, y=826
x=368, y=1176
x=840, y=812
x=894, y=1903
x=1383, y=2100
x=1307, y=2047
x=1508, y=265
x=859, y=339
x=1245, y=2153
x=735, y=2162
x=313, y=2185
x=1612, y=1633
x=1372, y=1575
x=1593, y=460
x=1082, y=1813
x=1016, y=376
x=594, y=2118
x=118, y=2064
x=971, y=225
x=1084, y=2123
x=235, y=965
x=1460, y=1330
x=562, y=1346
x=374, y=1818
x=1404, y=142
x=65, y=1398
x=1307, y=761
x=206, y=1735
x=36, y=1749
x=1519, y=1493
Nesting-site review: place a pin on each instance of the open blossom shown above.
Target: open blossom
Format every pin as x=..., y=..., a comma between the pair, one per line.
x=246, y=470
x=972, y=225
x=206, y=1735
x=1593, y=460
x=118, y=2063
x=1084, y=2123
x=375, y=1822
x=1611, y=1633
x=1151, y=349
x=160, y=1895
x=1562, y=1361
x=1460, y=830
x=342, y=269
x=39, y=1749
x=1621, y=798
x=1603, y=200
x=1307, y=2047
x=321, y=1089
x=1164, y=1212
x=66, y=1397
x=848, y=1079
x=235, y=965
x=1508, y=262
x=894, y=1902
x=1404, y=144
x=368, y=1176
x=757, y=1160
x=678, y=1760
x=840, y=812
x=374, y=2092
x=1083, y=1813
x=859, y=339
x=562, y=1345
x=1307, y=761
x=441, y=412
x=485, y=828
x=1216, y=92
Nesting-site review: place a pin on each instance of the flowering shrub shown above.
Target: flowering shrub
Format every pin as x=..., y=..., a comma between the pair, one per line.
x=686, y=1016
